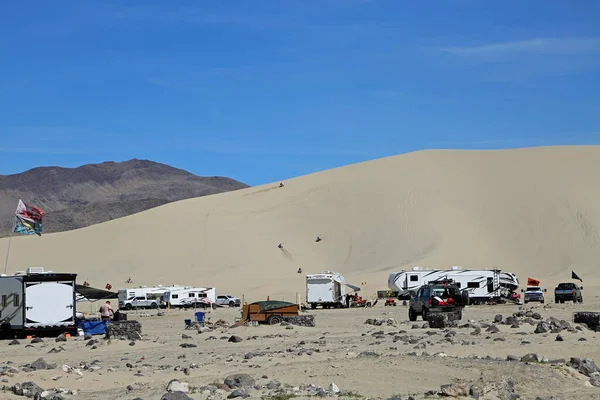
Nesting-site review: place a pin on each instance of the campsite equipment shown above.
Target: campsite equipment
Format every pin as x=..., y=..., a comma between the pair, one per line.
x=187, y=322
x=271, y=312
x=390, y=302
x=199, y=316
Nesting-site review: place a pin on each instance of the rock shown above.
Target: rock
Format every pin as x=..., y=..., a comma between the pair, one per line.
x=178, y=386
x=536, y=315
x=333, y=389
x=584, y=366
x=456, y=389
x=493, y=329
x=477, y=331
x=40, y=363
x=237, y=393
x=184, y=336
x=14, y=342
x=27, y=389
x=187, y=345
x=368, y=354
x=61, y=338
x=530, y=357
x=36, y=340
x=239, y=381
x=87, y=336
x=498, y=318
x=542, y=327
x=175, y=396
x=235, y=339
x=559, y=338
x=512, y=358
x=131, y=330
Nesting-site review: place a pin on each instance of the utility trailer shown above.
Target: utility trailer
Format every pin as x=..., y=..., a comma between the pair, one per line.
x=328, y=290
x=271, y=312
x=37, y=302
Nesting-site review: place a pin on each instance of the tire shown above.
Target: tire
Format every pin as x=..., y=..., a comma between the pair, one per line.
x=154, y=305
x=464, y=298
x=274, y=320
x=556, y=300
x=580, y=299
x=368, y=304
x=459, y=315
x=412, y=315
x=231, y=304
x=424, y=314
x=313, y=306
x=128, y=306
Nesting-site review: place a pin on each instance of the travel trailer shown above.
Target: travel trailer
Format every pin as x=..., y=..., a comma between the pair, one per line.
x=190, y=297
x=143, y=296
x=37, y=300
x=327, y=289
x=482, y=284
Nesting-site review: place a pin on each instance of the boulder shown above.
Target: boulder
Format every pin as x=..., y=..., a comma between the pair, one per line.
x=239, y=381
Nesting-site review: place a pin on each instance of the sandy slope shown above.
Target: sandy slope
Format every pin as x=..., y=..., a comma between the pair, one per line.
x=531, y=211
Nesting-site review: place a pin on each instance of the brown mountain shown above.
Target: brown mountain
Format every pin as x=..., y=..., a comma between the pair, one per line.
x=77, y=197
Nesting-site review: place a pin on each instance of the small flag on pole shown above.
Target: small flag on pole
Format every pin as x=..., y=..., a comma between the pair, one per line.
x=532, y=282
x=28, y=219
x=574, y=276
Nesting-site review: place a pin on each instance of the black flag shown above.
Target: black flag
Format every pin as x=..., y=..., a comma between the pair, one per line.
x=574, y=276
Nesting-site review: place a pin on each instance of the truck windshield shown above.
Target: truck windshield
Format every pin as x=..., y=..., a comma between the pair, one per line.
x=319, y=281
x=564, y=286
x=533, y=289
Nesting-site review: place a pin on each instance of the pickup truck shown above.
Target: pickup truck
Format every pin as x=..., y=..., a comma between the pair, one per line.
x=439, y=297
x=534, y=293
x=568, y=292
x=227, y=300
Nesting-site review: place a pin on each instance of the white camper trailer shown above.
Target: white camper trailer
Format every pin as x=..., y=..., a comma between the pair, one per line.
x=482, y=284
x=143, y=297
x=37, y=301
x=190, y=297
x=327, y=289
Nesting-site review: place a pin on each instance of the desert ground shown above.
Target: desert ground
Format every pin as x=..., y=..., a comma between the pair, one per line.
x=397, y=358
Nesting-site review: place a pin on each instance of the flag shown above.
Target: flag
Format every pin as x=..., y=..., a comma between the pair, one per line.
x=532, y=282
x=28, y=220
x=574, y=276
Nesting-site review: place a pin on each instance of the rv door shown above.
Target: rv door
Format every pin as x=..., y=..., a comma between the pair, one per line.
x=49, y=304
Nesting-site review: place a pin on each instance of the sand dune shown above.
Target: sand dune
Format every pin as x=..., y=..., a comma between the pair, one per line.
x=533, y=211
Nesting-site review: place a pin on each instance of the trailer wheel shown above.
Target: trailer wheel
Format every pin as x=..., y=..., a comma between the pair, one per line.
x=274, y=320
x=313, y=306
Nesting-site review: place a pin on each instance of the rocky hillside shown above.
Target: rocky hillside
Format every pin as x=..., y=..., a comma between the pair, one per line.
x=77, y=197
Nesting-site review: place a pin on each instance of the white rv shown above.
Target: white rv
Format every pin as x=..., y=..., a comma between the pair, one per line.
x=327, y=289
x=190, y=297
x=143, y=296
x=482, y=284
x=36, y=301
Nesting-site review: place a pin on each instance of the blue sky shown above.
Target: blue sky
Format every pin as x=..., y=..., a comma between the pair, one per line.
x=267, y=90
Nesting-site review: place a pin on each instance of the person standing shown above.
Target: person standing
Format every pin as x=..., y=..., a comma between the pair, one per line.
x=105, y=311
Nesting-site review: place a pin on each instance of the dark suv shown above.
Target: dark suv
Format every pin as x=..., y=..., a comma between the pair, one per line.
x=438, y=297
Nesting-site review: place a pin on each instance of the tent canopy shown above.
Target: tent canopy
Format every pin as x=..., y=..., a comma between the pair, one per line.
x=95, y=294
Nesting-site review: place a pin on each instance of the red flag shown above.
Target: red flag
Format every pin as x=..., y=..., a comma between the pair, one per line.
x=532, y=282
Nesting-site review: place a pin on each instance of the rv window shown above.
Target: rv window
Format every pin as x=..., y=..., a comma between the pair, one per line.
x=319, y=281
x=202, y=295
x=192, y=295
x=473, y=284
x=175, y=296
x=4, y=300
x=16, y=300
x=414, y=278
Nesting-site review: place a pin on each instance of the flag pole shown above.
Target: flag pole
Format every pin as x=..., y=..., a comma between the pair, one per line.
x=8, y=250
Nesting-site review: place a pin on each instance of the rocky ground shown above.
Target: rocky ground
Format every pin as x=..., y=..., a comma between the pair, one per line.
x=495, y=352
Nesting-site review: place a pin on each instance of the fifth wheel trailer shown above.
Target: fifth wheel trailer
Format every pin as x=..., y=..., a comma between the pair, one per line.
x=37, y=301
x=482, y=284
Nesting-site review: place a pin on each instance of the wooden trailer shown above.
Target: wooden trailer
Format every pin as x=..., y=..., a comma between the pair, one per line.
x=271, y=312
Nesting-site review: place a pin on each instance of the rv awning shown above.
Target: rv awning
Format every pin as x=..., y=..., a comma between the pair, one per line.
x=94, y=294
x=355, y=288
